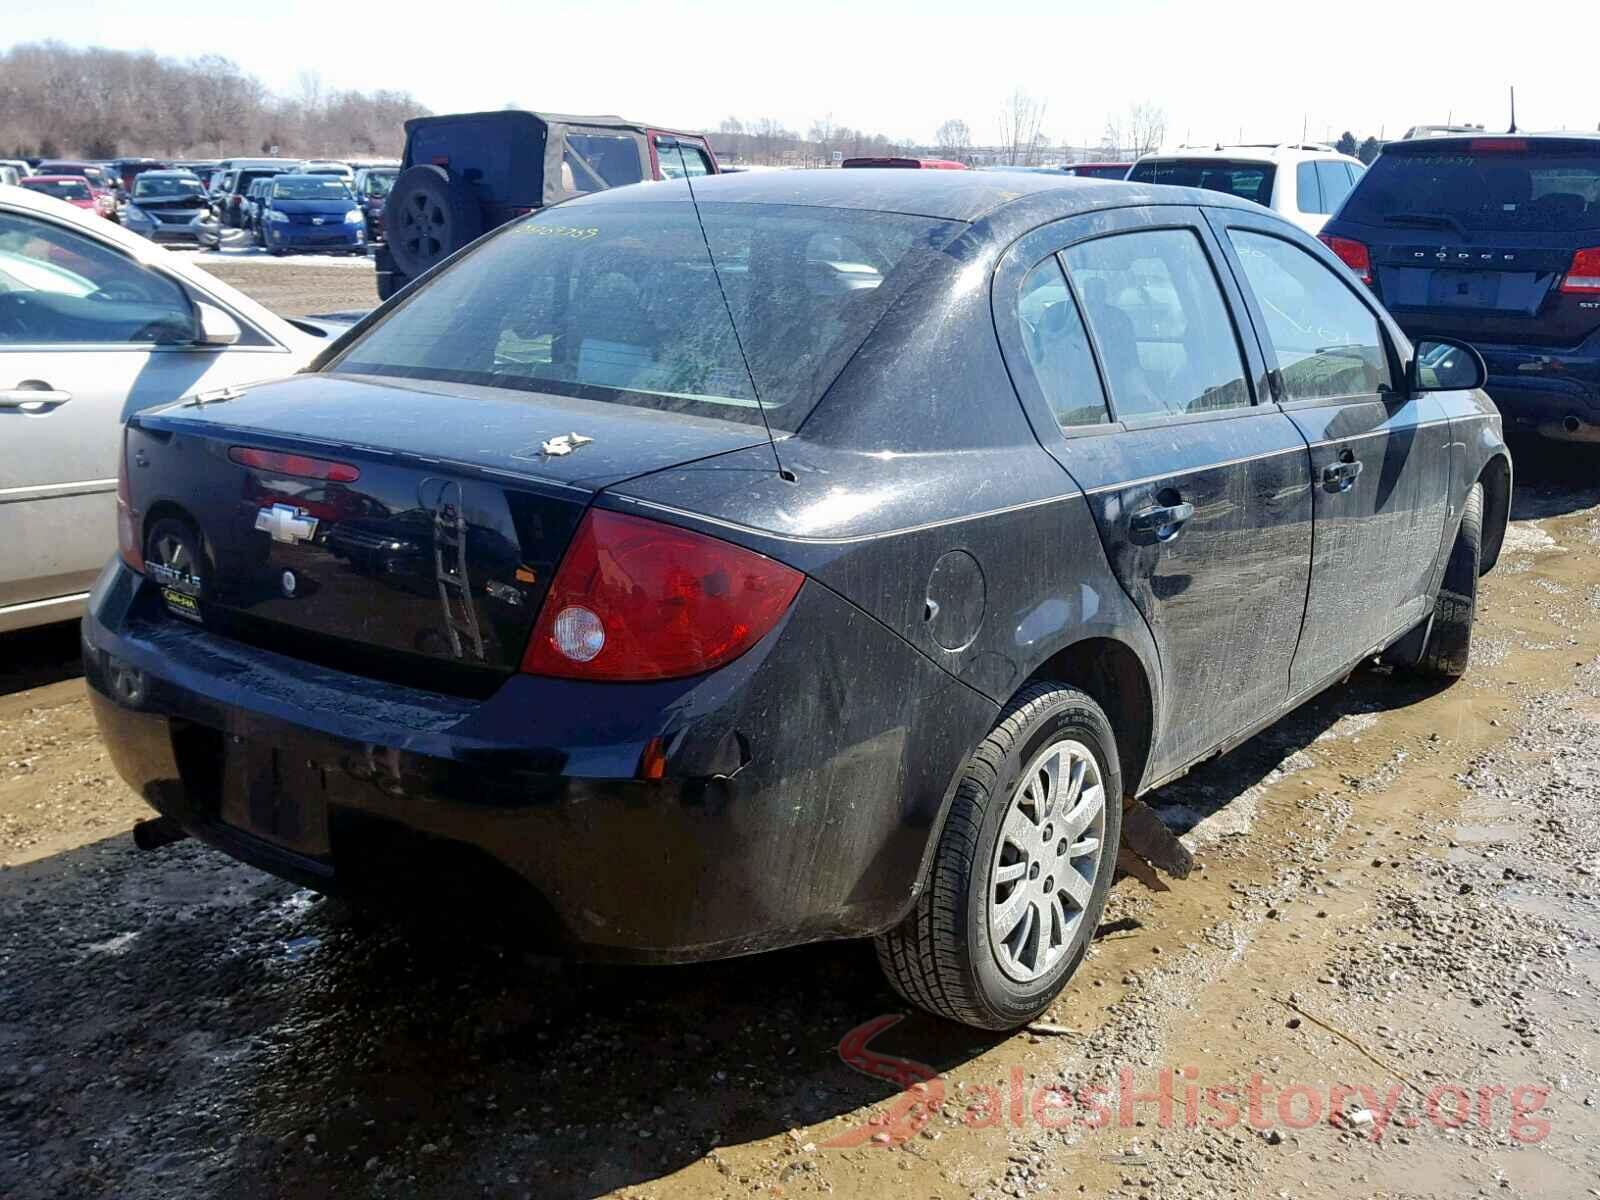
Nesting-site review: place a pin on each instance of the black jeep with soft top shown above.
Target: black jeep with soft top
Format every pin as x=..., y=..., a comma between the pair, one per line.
x=464, y=174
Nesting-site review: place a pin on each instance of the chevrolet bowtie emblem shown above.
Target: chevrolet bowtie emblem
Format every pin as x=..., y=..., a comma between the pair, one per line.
x=286, y=523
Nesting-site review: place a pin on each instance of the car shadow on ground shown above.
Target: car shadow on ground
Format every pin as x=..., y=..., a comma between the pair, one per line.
x=1552, y=478
x=32, y=658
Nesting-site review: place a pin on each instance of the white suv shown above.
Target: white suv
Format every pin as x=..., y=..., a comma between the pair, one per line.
x=1305, y=183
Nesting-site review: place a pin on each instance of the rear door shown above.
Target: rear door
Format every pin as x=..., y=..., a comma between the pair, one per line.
x=1201, y=494
x=1380, y=459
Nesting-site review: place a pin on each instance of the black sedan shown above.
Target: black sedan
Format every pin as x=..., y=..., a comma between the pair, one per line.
x=685, y=573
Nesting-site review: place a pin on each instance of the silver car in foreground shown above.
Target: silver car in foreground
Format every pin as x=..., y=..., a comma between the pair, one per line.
x=95, y=324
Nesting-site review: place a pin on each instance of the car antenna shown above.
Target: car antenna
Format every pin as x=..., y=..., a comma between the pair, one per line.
x=1513, y=128
x=783, y=473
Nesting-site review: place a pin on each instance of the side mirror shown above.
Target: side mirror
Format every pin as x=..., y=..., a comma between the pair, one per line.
x=1445, y=365
x=217, y=328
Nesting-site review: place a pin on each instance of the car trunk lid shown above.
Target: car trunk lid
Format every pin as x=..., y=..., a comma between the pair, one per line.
x=393, y=530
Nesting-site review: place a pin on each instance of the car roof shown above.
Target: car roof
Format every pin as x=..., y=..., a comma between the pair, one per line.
x=1246, y=152
x=607, y=121
x=942, y=195
x=178, y=173
x=1433, y=145
x=57, y=179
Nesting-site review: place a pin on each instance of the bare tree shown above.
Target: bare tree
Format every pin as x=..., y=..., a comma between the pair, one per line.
x=1020, y=117
x=1147, y=128
x=59, y=99
x=1141, y=131
x=953, y=138
x=824, y=133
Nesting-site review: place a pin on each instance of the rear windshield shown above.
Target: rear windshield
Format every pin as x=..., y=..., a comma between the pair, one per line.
x=1246, y=180
x=246, y=178
x=65, y=189
x=619, y=303
x=1114, y=171
x=309, y=187
x=1452, y=186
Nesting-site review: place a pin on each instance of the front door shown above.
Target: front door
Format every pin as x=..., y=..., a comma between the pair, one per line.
x=1202, y=495
x=1379, y=458
x=88, y=335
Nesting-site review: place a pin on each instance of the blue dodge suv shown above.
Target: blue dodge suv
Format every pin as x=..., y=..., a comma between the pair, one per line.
x=1495, y=240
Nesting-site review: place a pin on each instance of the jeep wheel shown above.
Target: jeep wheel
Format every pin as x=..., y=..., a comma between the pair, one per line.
x=428, y=216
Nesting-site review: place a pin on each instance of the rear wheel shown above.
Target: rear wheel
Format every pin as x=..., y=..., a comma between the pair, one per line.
x=427, y=217
x=1022, y=868
x=1449, y=644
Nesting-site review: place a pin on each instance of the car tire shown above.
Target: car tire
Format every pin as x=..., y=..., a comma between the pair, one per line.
x=1449, y=643
x=958, y=954
x=428, y=216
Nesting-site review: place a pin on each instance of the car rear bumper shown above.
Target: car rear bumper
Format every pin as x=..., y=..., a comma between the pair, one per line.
x=1544, y=389
x=800, y=790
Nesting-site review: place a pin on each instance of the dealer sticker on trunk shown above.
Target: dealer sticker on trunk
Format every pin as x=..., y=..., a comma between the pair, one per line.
x=181, y=604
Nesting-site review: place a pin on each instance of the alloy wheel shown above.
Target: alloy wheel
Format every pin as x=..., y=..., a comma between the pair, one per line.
x=1046, y=860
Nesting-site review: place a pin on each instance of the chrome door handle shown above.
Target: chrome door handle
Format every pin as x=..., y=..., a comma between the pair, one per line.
x=1165, y=521
x=1341, y=476
x=22, y=397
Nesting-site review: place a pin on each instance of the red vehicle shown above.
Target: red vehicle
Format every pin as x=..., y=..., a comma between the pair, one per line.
x=926, y=164
x=74, y=189
x=100, y=181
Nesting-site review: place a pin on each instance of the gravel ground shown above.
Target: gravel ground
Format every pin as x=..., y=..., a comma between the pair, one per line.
x=1396, y=893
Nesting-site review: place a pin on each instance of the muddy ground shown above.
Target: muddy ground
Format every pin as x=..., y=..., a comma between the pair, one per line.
x=1397, y=894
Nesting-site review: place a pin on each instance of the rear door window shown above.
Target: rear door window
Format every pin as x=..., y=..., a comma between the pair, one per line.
x=597, y=161
x=678, y=159
x=1335, y=180
x=1307, y=191
x=1327, y=342
x=1057, y=346
x=1166, y=340
x=1459, y=186
x=1247, y=180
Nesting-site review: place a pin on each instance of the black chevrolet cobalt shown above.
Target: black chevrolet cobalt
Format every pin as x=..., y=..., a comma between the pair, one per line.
x=681, y=573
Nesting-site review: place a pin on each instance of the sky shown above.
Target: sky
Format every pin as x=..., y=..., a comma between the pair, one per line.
x=1221, y=71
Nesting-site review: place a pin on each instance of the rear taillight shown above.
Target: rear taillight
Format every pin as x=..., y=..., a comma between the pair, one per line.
x=635, y=599
x=297, y=465
x=1352, y=253
x=1497, y=146
x=1583, y=276
x=127, y=519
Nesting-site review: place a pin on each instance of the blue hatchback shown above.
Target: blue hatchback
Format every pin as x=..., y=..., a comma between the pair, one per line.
x=312, y=212
x=1495, y=240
